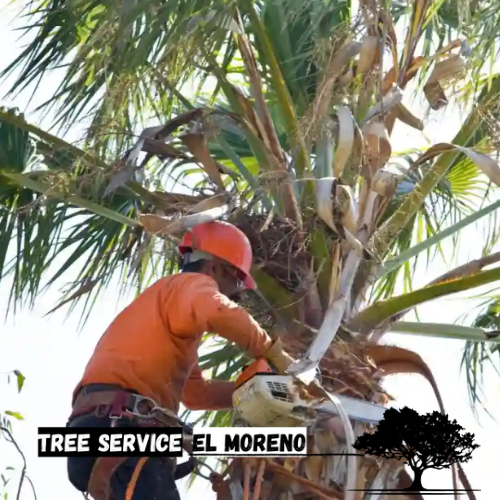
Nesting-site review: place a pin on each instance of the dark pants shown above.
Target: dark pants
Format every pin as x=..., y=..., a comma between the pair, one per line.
x=156, y=480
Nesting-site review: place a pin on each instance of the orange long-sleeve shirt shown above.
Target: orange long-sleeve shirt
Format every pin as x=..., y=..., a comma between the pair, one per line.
x=152, y=345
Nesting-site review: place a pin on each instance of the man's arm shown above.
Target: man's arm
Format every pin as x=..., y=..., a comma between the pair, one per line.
x=201, y=394
x=214, y=312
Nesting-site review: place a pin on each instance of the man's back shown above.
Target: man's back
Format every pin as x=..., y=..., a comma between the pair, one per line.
x=152, y=345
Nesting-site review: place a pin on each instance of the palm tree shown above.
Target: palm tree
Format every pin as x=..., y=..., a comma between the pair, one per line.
x=280, y=116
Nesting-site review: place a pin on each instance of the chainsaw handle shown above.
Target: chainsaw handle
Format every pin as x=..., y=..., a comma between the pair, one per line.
x=257, y=366
x=273, y=368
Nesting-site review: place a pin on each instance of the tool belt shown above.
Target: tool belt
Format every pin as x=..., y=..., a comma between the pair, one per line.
x=116, y=403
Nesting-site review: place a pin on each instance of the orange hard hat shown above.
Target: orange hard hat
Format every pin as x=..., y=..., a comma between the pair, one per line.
x=225, y=241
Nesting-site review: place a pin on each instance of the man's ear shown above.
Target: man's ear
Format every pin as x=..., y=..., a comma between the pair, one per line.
x=211, y=269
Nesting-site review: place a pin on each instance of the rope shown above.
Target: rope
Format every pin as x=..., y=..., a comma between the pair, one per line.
x=135, y=476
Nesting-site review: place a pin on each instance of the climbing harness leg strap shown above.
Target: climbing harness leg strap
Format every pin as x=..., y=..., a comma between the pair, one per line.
x=100, y=478
x=117, y=404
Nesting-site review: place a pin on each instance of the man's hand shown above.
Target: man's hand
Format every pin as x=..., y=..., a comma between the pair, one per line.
x=278, y=357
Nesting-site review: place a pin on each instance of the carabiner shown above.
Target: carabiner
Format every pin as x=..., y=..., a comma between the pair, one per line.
x=137, y=401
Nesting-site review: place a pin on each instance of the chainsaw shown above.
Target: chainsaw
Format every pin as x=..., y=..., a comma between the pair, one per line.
x=264, y=398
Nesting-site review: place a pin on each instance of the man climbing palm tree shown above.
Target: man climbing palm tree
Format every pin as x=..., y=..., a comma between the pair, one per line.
x=146, y=363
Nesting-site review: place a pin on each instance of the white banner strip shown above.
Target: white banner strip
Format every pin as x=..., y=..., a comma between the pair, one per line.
x=257, y=441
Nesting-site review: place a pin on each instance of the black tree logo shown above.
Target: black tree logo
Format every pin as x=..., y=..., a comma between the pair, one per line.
x=429, y=441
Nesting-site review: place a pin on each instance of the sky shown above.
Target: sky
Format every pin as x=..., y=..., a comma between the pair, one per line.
x=52, y=354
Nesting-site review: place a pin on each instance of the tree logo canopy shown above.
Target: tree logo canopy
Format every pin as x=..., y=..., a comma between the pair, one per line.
x=429, y=441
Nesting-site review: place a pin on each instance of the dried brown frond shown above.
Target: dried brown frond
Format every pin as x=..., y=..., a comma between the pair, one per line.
x=279, y=249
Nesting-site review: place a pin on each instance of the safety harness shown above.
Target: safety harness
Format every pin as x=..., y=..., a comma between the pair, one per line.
x=117, y=404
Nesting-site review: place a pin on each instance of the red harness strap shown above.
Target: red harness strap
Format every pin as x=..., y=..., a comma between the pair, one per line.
x=119, y=403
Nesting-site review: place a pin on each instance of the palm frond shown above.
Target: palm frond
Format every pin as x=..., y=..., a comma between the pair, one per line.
x=477, y=356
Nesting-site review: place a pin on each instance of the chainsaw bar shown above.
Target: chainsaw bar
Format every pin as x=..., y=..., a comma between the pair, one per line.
x=356, y=409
